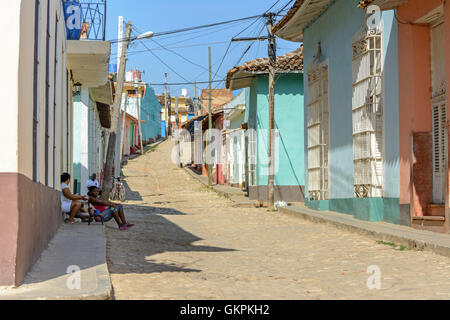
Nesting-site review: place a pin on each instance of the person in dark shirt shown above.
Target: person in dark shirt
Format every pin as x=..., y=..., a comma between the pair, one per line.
x=108, y=209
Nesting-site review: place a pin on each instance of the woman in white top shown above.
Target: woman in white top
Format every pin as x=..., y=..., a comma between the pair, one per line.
x=70, y=203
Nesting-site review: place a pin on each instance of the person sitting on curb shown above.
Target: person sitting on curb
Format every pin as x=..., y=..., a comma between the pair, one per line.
x=108, y=209
x=70, y=203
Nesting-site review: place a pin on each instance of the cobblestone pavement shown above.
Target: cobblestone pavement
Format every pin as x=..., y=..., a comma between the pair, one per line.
x=189, y=243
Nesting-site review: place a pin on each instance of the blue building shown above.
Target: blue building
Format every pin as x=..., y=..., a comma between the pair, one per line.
x=352, y=115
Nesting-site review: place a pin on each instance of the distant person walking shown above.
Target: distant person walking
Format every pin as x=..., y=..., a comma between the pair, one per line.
x=92, y=182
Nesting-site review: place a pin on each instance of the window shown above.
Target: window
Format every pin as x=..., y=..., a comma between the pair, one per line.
x=367, y=109
x=252, y=148
x=36, y=89
x=318, y=131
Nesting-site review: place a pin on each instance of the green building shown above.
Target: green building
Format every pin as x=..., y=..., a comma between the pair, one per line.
x=289, y=125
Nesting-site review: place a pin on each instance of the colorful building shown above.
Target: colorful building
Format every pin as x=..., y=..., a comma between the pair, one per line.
x=234, y=169
x=353, y=118
x=289, y=122
x=423, y=83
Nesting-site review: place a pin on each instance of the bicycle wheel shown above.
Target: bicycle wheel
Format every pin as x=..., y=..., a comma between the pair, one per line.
x=122, y=194
x=112, y=194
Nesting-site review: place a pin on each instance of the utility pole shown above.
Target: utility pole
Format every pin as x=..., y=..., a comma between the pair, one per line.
x=272, y=51
x=272, y=64
x=177, y=131
x=195, y=99
x=107, y=186
x=122, y=131
x=209, y=122
x=166, y=108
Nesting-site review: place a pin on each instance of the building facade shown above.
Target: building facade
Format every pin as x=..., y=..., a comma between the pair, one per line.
x=36, y=131
x=289, y=121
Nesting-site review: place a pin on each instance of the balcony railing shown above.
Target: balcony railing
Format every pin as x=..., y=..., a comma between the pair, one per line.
x=93, y=19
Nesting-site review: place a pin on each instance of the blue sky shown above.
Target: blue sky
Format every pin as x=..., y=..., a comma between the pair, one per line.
x=160, y=16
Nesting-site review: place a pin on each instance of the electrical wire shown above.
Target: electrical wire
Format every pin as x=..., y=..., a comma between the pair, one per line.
x=159, y=34
x=160, y=60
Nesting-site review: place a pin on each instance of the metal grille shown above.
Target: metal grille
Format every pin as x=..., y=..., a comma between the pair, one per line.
x=94, y=18
x=439, y=110
x=367, y=106
x=252, y=149
x=318, y=131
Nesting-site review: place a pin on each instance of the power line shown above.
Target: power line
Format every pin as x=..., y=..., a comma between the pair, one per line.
x=160, y=60
x=158, y=34
x=181, y=56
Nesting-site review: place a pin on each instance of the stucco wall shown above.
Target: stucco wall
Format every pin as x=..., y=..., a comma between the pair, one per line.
x=151, y=114
x=289, y=120
x=334, y=29
x=31, y=210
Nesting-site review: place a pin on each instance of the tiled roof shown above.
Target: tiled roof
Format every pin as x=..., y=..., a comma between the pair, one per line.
x=288, y=16
x=292, y=61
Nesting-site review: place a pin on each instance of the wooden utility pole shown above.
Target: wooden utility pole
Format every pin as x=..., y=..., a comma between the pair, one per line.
x=166, y=107
x=107, y=186
x=208, y=154
x=272, y=48
x=122, y=131
x=177, y=130
x=272, y=65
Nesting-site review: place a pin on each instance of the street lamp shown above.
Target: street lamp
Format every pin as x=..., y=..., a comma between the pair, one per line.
x=145, y=35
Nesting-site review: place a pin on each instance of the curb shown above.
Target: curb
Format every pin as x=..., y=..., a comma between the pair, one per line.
x=381, y=231
x=44, y=287
x=220, y=192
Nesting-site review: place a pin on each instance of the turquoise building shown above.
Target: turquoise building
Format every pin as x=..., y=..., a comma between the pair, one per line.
x=351, y=108
x=150, y=115
x=289, y=123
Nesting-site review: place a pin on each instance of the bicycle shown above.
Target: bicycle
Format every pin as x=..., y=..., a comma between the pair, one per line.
x=118, y=191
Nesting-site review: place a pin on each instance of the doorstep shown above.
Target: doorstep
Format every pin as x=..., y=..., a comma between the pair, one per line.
x=73, y=245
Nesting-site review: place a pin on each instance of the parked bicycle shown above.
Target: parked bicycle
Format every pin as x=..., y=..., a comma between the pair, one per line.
x=118, y=191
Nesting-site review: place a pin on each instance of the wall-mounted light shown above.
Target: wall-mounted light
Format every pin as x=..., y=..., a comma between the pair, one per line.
x=77, y=89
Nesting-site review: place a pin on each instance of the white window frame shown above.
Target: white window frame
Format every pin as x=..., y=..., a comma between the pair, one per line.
x=368, y=113
x=318, y=120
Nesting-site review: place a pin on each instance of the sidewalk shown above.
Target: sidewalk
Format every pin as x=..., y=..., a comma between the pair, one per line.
x=382, y=231
x=236, y=195
x=74, y=245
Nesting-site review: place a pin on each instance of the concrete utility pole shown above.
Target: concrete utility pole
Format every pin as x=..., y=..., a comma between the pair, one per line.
x=107, y=186
x=209, y=122
x=122, y=131
x=166, y=108
x=272, y=64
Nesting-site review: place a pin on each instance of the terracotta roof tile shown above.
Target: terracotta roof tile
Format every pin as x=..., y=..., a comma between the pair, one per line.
x=292, y=61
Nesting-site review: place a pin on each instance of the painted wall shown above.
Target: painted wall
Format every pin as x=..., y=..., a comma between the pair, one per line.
x=289, y=120
x=151, y=114
x=30, y=206
x=334, y=29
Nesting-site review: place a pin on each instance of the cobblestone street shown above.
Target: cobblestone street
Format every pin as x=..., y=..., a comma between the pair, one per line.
x=189, y=243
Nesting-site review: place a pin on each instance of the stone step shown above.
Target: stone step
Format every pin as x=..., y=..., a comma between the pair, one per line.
x=436, y=210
